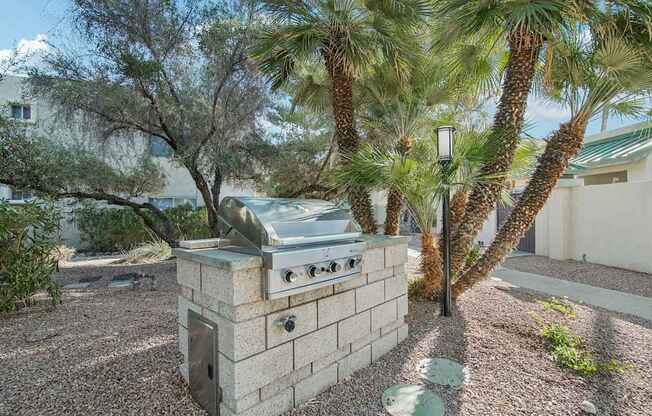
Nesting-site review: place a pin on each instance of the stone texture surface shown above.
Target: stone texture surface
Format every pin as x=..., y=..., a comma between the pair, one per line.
x=315, y=345
x=223, y=259
x=188, y=274
x=183, y=349
x=284, y=382
x=312, y=386
x=232, y=287
x=331, y=358
x=373, y=260
x=310, y=295
x=276, y=405
x=354, y=328
x=238, y=340
x=354, y=362
x=395, y=255
x=183, y=305
x=248, y=375
x=364, y=341
x=380, y=274
x=395, y=287
x=383, y=315
x=369, y=296
x=306, y=322
x=402, y=305
x=402, y=333
x=336, y=308
x=383, y=345
x=392, y=326
x=243, y=403
x=351, y=284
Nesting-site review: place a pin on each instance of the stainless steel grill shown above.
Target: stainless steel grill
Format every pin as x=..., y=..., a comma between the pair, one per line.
x=305, y=244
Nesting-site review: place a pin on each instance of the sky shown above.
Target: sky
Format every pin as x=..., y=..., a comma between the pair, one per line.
x=30, y=24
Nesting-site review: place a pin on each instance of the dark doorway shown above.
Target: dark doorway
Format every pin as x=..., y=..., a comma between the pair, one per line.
x=528, y=242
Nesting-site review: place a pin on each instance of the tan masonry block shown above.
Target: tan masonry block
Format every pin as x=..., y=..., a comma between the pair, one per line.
x=284, y=382
x=206, y=301
x=402, y=305
x=383, y=315
x=233, y=288
x=238, y=379
x=324, y=362
x=383, y=345
x=354, y=362
x=354, y=328
x=188, y=274
x=373, y=260
x=314, y=346
x=306, y=322
x=364, y=341
x=276, y=405
x=186, y=292
x=243, y=403
x=252, y=310
x=369, y=296
x=400, y=269
x=395, y=287
x=183, y=305
x=380, y=274
x=402, y=333
x=392, y=326
x=238, y=341
x=395, y=255
x=317, y=383
x=311, y=295
x=336, y=308
x=351, y=284
x=183, y=344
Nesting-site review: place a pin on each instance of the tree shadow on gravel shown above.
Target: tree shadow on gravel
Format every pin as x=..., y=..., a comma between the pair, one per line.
x=607, y=387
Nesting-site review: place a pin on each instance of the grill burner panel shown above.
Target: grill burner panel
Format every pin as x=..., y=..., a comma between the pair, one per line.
x=305, y=244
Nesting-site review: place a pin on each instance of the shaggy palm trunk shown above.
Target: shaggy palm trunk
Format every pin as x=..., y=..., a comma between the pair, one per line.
x=458, y=207
x=431, y=266
x=346, y=134
x=394, y=197
x=508, y=123
x=564, y=144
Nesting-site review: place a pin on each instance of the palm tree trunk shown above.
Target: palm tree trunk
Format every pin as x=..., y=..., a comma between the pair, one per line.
x=431, y=266
x=458, y=207
x=346, y=135
x=394, y=197
x=563, y=145
x=508, y=123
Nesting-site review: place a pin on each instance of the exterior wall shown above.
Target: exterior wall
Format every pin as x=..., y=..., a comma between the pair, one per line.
x=264, y=370
x=609, y=224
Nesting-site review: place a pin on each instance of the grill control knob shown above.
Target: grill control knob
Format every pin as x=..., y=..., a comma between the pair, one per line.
x=289, y=276
x=334, y=267
x=314, y=271
x=352, y=262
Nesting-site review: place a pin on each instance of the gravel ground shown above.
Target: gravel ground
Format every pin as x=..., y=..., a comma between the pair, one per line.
x=588, y=273
x=108, y=351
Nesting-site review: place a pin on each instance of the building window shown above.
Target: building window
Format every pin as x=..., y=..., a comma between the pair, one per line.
x=606, y=178
x=21, y=111
x=21, y=195
x=159, y=148
x=171, y=202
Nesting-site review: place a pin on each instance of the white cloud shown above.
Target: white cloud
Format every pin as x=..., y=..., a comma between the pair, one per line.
x=27, y=51
x=542, y=111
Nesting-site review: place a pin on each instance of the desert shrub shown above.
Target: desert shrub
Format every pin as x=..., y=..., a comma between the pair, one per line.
x=26, y=245
x=62, y=252
x=116, y=229
x=110, y=229
x=191, y=224
x=566, y=348
x=473, y=256
x=417, y=288
x=149, y=252
x=562, y=306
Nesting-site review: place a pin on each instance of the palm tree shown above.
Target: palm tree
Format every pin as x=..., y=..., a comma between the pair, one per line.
x=589, y=73
x=346, y=37
x=421, y=180
x=526, y=26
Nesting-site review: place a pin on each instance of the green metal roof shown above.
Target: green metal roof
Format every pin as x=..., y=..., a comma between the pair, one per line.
x=614, y=150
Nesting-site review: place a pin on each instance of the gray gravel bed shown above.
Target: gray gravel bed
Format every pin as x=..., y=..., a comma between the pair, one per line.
x=628, y=281
x=108, y=351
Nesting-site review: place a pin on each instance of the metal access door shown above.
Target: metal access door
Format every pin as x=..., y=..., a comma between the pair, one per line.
x=202, y=362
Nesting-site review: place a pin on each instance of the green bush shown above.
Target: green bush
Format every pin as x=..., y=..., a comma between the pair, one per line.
x=566, y=348
x=116, y=229
x=26, y=246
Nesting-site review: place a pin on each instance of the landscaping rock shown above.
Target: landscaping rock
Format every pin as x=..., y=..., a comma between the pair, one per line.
x=588, y=407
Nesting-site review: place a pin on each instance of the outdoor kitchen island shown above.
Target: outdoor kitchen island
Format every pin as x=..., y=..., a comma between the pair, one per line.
x=250, y=351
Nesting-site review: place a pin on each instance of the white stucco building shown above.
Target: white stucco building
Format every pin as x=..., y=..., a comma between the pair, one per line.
x=39, y=115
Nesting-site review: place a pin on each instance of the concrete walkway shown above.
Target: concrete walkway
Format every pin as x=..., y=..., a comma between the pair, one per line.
x=605, y=298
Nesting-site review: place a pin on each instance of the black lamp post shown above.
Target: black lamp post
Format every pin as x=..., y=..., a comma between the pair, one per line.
x=445, y=145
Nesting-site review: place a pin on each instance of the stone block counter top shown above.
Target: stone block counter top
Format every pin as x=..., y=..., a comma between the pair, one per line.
x=266, y=370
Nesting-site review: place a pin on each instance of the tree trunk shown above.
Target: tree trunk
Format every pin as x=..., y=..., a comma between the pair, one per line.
x=508, y=123
x=563, y=145
x=394, y=197
x=207, y=196
x=346, y=134
x=458, y=207
x=431, y=265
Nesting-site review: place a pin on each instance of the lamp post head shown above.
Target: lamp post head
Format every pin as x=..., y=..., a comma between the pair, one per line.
x=445, y=142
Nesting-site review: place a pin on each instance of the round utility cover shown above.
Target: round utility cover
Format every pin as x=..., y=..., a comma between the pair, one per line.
x=412, y=400
x=443, y=371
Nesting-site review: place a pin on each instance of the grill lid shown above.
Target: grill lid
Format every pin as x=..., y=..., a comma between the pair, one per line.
x=282, y=222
